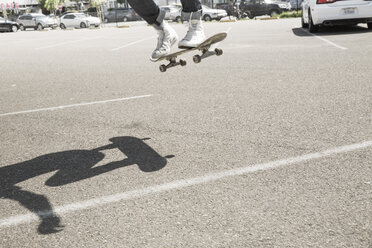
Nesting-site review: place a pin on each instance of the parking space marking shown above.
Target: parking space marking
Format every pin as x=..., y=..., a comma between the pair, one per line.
x=179, y=184
x=325, y=40
x=132, y=43
x=73, y=105
x=68, y=42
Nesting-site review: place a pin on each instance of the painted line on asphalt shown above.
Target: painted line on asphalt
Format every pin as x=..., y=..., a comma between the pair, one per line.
x=132, y=43
x=67, y=42
x=179, y=184
x=325, y=40
x=73, y=105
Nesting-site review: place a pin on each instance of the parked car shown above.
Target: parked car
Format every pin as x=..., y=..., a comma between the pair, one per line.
x=173, y=13
x=79, y=20
x=228, y=7
x=213, y=14
x=296, y=4
x=92, y=11
x=8, y=26
x=121, y=15
x=36, y=21
x=253, y=8
x=335, y=12
x=232, y=9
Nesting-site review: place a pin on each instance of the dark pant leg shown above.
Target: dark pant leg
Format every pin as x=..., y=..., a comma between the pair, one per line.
x=147, y=9
x=191, y=5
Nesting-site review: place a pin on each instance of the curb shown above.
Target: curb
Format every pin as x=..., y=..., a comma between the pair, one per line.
x=269, y=18
x=228, y=21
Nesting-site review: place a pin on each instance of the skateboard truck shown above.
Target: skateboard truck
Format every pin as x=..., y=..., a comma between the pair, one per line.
x=172, y=63
x=206, y=53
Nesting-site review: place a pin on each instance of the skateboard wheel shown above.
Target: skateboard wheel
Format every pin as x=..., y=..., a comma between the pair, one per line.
x=218, y=51
x=182, y=62
x=162, y=68
x=196, y=58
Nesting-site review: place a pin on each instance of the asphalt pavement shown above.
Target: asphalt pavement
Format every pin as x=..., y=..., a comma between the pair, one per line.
x=268, y=145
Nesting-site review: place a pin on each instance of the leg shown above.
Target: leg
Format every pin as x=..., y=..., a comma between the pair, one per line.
x=39, y=205
x=189, y=6
x=149, y=11
x=192, y=12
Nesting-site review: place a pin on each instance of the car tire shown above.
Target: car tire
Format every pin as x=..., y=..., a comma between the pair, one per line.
x=22, y=28
x=369, y=25
x=62, y=26
x=83, y=25
x=179, y=19
x=312, y=28
x=274, y=13
x=39, y=27
x=207, y=18
x=303, y=24
x=125, y=19
x=105, y=20
x=249, y=15
x=14, y=28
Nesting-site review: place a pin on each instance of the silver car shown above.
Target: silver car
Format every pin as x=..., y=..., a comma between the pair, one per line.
x=210, y=14
x=79, y=20
x=36, y=21
x=172, y=13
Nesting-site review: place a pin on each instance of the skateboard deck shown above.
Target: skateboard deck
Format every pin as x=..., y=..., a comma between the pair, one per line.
x=203, y=47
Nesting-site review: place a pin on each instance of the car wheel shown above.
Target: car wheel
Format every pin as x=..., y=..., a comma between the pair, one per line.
x=62, y=26
x=83, y=25
x=207, y=18
x=178, y=19
x=14, y=28
x=274, y=13
x=369, y=25
x=312, y=28
x=39, y=27
x=249, y=15
x=22, y=28
x=125, y=19
x=106, y=20
x=303, y=24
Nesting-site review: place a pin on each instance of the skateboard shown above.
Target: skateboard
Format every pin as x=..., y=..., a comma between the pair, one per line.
x=203, y=47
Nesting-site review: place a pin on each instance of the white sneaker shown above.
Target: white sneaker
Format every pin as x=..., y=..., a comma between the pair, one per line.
x=166, y=38
x=195, y=35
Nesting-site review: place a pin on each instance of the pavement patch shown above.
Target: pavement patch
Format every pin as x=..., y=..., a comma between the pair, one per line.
x=179, y=184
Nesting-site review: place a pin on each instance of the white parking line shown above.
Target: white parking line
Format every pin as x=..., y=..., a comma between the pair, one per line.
x=325, y=40
x=73, y=105
x=67, y=42
x=132, y=43
x=100, y=201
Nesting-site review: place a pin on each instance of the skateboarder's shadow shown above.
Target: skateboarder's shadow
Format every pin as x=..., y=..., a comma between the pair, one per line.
x=71, y=166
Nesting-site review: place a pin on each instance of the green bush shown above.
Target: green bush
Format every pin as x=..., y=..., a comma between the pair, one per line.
x=292, y=14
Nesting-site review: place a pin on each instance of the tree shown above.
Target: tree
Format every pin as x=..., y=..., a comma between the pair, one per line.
x=51, y=5
x=99, y=5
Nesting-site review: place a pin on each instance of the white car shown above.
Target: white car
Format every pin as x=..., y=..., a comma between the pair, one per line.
x=210, y=14
x=335, y=12
x=172, y=13
x=78, y=20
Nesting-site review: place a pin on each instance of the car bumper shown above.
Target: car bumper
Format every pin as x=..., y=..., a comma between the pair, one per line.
x=54, y=25
x=93, y=23
x=329, y=15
